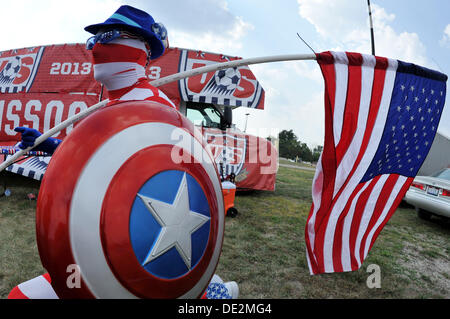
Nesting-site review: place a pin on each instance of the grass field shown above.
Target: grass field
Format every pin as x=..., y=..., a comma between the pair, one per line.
x=264, y=248
x=284, y=161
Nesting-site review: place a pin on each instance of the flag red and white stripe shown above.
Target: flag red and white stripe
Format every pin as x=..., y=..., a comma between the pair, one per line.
x=37, y=288
x=348, y=212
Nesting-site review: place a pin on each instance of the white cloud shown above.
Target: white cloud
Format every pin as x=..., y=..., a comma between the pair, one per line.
x=201, y=24
x=445, y=40
x=33, y=23
x=206, y=25
x=228, y=42
x=346, y=24
x=307, y=70
x=193, y=16
x=331, y=19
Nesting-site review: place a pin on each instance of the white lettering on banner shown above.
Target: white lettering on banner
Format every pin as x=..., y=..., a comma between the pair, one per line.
x=32, y=107
x=69, y=68
x=75, y=108
x=66, y=68
x=48, y=115
x=155, y=72
x=33, y=117
x=12, y=117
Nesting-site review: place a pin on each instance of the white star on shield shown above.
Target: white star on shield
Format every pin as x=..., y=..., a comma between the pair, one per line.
x=178, y=223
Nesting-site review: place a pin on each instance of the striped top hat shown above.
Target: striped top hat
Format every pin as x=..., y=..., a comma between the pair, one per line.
x=137, y=22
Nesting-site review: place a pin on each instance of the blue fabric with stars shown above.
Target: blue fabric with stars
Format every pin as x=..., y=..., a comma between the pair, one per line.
x=417, y=101
x=217, y=291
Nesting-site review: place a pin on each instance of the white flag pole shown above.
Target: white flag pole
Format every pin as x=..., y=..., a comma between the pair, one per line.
x=156, y=83
x=231, y=64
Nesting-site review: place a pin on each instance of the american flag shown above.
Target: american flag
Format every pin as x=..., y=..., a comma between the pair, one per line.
x=381, y=116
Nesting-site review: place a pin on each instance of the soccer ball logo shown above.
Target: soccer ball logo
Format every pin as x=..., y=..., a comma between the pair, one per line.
x=228, y=79
x=11, y=70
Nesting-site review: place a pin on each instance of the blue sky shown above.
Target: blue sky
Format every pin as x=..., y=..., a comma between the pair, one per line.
x=415, y=31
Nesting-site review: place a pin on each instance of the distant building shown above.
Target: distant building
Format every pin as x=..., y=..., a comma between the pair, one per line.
x=438, y=157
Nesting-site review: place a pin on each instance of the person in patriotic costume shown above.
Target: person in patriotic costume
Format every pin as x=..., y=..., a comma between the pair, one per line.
x=122, y=47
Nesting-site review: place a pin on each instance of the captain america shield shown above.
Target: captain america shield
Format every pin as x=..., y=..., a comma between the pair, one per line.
x=117, y=201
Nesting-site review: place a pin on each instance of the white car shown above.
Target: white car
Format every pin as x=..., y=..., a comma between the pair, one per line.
x=430, y=195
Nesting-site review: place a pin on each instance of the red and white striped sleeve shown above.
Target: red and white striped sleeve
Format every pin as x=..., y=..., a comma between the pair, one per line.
x=36, y=288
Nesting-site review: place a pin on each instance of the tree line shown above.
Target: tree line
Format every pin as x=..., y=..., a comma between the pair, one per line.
x=290, y=147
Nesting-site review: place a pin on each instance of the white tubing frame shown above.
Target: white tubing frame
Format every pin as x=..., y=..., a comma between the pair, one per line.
x=156, y=83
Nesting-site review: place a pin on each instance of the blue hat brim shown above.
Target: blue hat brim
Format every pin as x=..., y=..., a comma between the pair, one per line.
x=156, y=45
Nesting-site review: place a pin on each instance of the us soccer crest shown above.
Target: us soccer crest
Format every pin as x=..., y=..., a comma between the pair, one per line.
x=136, y=222
x=227, y=149
x=18, y=69
x=233, y=86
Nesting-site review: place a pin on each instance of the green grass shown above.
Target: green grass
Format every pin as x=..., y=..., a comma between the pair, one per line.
x=264, y=248
x=299, y=164
x=19, y=257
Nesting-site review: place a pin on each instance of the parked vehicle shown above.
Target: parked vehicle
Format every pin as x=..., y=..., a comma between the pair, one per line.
x=430, y=195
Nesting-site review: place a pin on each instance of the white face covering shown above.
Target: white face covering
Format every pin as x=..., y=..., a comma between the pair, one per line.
x=119, y=63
